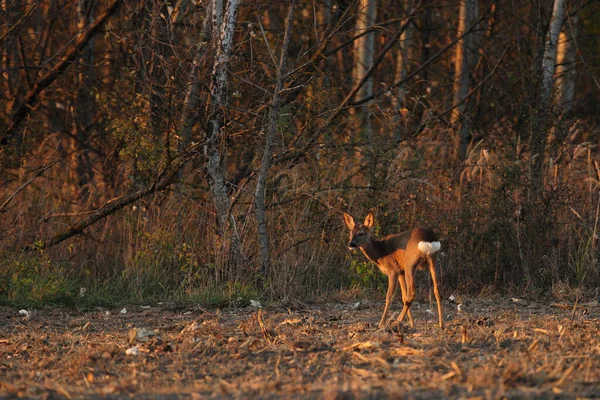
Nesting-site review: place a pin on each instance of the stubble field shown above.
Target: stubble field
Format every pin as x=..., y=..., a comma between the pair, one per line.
x=493, y=348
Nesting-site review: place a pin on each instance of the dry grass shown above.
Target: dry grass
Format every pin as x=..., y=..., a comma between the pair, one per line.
x=497, y=348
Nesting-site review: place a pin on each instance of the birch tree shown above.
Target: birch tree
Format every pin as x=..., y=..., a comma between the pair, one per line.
x=215, y=140
x=465, y=59
x=538, y=137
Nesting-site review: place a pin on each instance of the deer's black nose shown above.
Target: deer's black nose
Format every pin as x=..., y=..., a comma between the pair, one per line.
x=352, y=246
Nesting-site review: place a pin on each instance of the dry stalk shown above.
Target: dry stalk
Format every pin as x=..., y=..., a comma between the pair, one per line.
x=567, y=373
x=574, y=309
x=267, y=335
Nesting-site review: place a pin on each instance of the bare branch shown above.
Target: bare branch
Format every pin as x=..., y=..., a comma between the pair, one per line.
x=32, y=96
x=29, y=182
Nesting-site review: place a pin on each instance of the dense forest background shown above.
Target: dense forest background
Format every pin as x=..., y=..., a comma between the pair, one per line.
x=205, y=150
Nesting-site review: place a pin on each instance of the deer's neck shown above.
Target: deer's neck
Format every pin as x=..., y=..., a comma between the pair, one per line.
x=373, y=250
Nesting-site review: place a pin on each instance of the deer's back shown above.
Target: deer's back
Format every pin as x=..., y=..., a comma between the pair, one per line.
x=401, y=249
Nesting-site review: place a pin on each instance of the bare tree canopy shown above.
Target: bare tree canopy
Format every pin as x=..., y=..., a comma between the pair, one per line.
x=189, y=147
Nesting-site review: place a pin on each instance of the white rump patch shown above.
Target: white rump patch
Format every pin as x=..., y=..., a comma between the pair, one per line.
x=429, y=247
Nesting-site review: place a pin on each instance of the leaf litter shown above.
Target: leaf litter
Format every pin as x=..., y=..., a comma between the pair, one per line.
x=316, y=351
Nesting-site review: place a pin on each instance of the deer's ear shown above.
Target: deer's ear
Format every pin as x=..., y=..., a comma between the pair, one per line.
x=349, y=220
x=369, y=220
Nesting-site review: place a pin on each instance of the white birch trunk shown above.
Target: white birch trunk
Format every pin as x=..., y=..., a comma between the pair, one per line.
x=216, y=9
x=215, y=147
x=549, y=60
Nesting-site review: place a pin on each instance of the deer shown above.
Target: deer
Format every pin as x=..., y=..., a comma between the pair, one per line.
x=398, y=256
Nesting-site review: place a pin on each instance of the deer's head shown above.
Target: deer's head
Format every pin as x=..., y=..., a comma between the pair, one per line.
x=360, y=234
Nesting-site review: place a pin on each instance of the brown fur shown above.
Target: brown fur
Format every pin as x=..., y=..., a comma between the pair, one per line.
x=397, y=256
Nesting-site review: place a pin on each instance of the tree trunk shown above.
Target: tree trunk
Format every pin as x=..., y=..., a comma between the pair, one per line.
x=181, y=8
x=538, y=136
x=274, y=112
x=566, y=53
x=465, y=60
x=364, y=49
x=216, y=143
x=406, y=56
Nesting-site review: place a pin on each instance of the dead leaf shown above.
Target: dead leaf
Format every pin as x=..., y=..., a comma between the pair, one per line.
x=363, y=373
x=291, y=321
x=83, y=328
x=363, y=345
x=449, y=375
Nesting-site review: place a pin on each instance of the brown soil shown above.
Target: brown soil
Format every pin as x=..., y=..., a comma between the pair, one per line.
x=492, y=349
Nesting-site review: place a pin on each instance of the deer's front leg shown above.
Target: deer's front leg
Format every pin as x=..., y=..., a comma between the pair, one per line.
x=392, y=279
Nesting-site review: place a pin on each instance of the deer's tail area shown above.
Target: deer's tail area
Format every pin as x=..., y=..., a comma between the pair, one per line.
x=429, y=248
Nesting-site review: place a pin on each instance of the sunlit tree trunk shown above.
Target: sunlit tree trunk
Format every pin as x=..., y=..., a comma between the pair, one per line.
x=181, y=7
x=364, y=49
x=465, y=59
x=538, y=138
x=406, y=56
x=565, y=66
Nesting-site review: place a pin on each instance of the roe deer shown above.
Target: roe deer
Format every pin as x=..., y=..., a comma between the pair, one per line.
x=398, y=256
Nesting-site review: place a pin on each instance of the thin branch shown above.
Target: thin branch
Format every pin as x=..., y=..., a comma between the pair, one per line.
x=163, y=180
x=25, y=15
x=23, y=186
x=271, y=130
x=32, y=96
x=418, y=70
x=370, y=71
x=476, y=88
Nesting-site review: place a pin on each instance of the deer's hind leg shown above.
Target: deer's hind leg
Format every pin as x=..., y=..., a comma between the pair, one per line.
x=402, y=282
x=410, y=291
x=436, y=290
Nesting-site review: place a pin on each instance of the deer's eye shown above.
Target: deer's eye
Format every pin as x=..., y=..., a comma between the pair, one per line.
x=359, y=234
